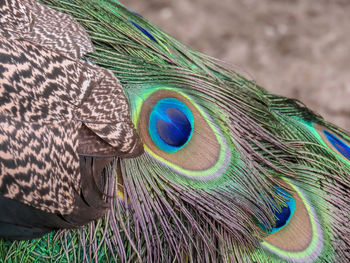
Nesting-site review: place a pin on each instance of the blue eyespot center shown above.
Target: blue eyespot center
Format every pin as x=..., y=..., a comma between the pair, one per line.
x=337, y=143
x=176, y=132
x=170, y=124
x=282, y=215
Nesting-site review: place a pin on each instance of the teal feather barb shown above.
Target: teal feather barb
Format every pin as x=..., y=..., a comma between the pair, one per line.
x=229, y=172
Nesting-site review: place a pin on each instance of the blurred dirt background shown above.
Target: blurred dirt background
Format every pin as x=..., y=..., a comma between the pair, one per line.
x=295, y=48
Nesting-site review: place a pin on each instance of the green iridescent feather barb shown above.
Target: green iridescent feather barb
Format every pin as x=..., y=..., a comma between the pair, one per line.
x=120, y=144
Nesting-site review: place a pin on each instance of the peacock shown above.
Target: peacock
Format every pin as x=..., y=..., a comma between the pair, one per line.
x=120, y=144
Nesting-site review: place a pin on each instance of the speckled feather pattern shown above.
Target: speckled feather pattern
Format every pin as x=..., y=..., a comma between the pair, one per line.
x=37, y=168
x=46, y=96
x=27, y=19
x=42, y=85
x=106, y=112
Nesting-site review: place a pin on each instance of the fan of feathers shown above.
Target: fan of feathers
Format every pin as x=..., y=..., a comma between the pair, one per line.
x=120, y=144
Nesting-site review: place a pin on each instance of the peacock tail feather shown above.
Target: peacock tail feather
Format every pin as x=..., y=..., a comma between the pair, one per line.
x=229, y=173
